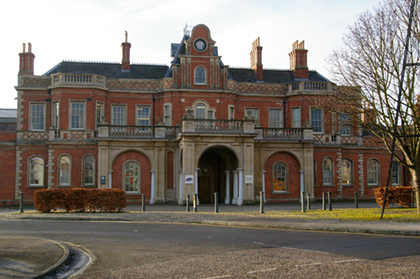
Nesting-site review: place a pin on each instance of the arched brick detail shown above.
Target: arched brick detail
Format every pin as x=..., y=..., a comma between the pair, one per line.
x=293, y=177
x=145, y=176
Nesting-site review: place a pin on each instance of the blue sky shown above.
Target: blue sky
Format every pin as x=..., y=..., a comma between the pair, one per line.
x=93, y=30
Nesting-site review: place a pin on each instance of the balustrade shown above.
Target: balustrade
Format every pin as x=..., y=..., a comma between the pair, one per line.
x=282, y=133
x=225, y=126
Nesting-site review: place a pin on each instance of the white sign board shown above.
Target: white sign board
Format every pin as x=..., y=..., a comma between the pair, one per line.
x=189, y=179
x=249, y=179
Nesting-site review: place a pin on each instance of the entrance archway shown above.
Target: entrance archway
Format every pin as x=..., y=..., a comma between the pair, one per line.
x=213, y=165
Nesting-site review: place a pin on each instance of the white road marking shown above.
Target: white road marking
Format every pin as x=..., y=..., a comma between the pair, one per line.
x=271, y=269
x=223, y=276
x=259, y=243
x=307, y=264
x=347, y=261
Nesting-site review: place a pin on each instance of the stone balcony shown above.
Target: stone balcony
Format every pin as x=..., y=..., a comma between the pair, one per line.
x=78, y=80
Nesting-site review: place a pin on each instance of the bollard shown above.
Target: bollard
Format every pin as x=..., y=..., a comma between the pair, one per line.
x=308, y=202
x=329, y=202
x=261, y=202
x=187, y=203
x=143, y=202
x=324, y=204
x=195, y=202
x=216, y=202
x=302, y=201
x=356, y=202
x=21, y=202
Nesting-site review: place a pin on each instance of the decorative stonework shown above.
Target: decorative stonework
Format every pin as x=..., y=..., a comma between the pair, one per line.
x=350, y=140
x=34, y=81
x=50, y=168
x=361, y=180
x=137, y=85
x=271, y=88
x=18, y=182
x=339, y=177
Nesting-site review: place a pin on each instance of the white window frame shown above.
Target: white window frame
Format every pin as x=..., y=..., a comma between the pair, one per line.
x=83, y=123
x=84, y=170
x=138, y=177
x=198, y=80
x=275, y=124
x=344, y=121
x=348, y=171
x=296, y=123
x=60, y=174
x=101, y=112
x=373, y=172
x=321, y=120
x=167, y=114
x=31, y=119
x=138, y=120
x=395, y=171
x=55, y=115
x=115, y=120
x=286, y=172
x=33, y=172
x=231, y=112
x=324, y=176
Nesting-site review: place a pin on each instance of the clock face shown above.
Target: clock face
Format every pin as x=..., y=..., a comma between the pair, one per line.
x=200, y=45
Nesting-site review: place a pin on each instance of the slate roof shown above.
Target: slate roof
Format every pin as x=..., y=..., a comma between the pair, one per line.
x=110, y=70
x=271, y=76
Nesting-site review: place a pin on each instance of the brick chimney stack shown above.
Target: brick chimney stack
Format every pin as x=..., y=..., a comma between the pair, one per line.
x=26, y=61
x=125, y=65
x=299, y=60
x=256, y=59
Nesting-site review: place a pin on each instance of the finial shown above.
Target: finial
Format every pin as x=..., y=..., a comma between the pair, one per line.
x=126, y=35
x=187, y=30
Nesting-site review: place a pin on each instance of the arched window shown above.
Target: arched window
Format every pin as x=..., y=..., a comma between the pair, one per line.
x=89, y=170
x=65, y=170
x=200, y=75
x=373, y=172
x=327, y=171
x=131, y=178
x=36, y=171
x=346, y=172
x=395, y=173
x=279, y=177
x=200, y=111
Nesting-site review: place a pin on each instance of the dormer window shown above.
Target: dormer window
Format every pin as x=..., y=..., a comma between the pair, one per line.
x=200, y=76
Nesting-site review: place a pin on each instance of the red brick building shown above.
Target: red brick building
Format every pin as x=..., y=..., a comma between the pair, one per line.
x=195, y=126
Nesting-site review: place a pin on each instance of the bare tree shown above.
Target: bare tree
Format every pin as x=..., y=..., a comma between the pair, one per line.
x=370, y=65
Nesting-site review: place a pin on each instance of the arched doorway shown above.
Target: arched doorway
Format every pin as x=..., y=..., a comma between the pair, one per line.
x=213, y=165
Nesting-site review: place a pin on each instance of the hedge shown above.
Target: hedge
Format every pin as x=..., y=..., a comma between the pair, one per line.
x=80, y=200
x=400, y=195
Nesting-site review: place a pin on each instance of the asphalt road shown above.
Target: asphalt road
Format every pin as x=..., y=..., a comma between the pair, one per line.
x=144, y=250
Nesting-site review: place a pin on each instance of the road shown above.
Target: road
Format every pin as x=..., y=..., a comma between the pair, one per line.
x=156, y=250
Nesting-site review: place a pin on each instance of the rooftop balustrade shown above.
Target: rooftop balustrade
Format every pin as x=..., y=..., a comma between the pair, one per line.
x=78, y=80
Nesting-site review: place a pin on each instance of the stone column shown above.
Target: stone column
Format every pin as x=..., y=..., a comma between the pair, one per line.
x=180, y=196
x=263, y=185
x=110, y=179
x=227, y=199
x=152, y=191
x=241, y=187
x=235, y=187
x=196, y=184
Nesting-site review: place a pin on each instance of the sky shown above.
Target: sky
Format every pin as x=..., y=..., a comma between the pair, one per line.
x=93, y=30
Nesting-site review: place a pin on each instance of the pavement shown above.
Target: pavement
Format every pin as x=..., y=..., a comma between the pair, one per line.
x=37, y=258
